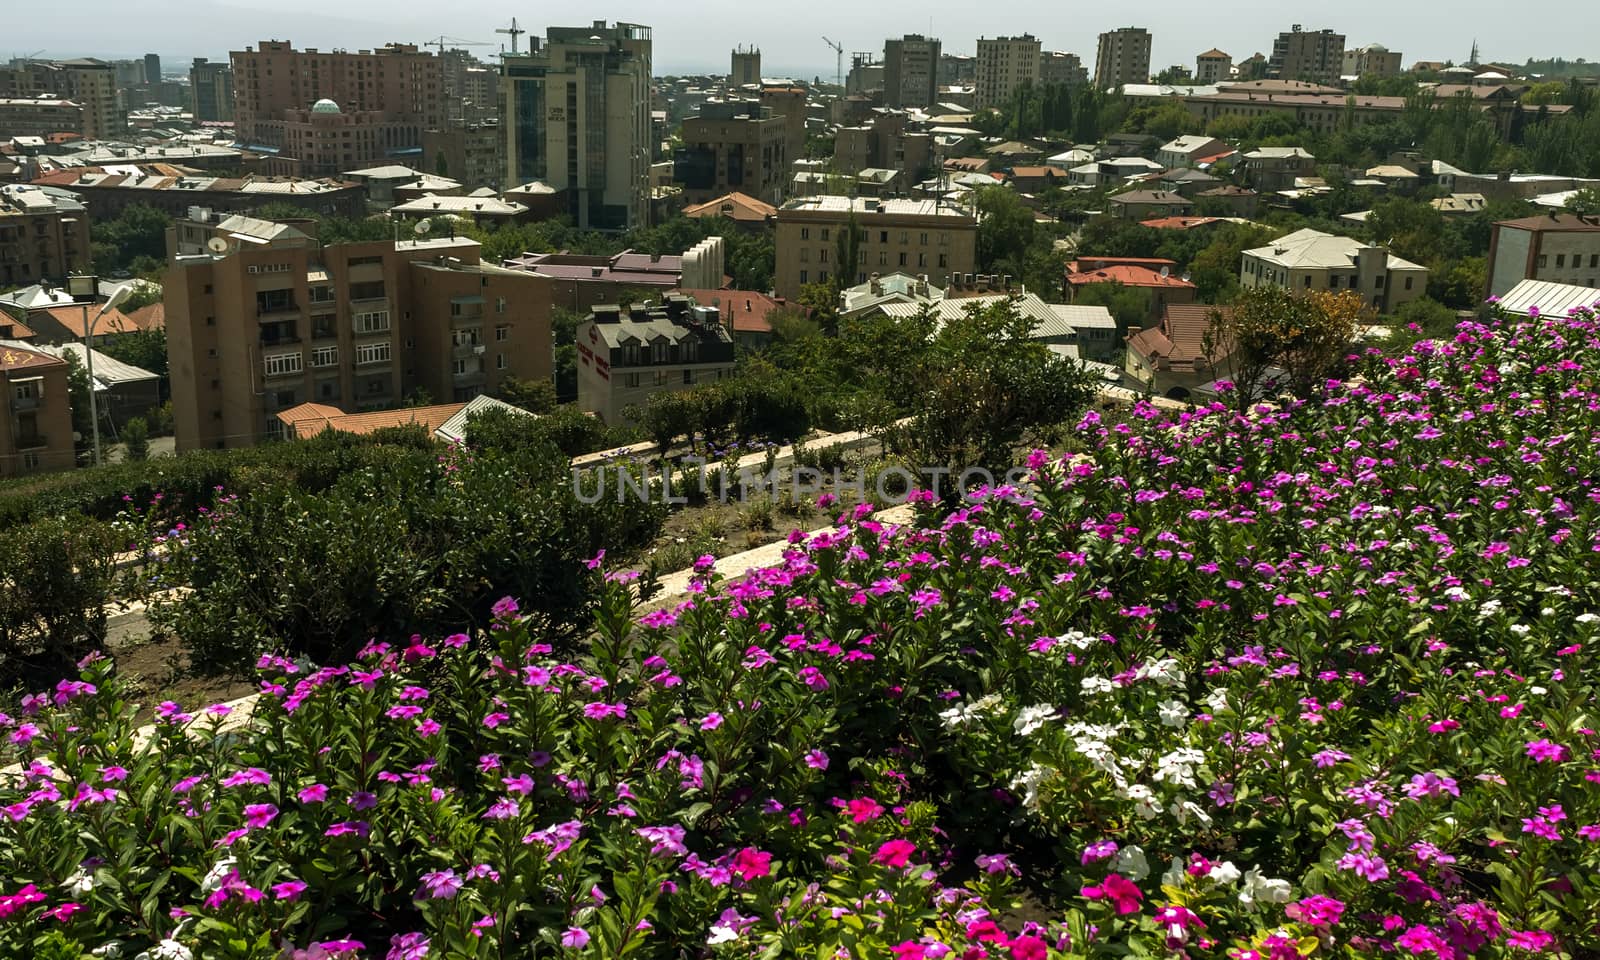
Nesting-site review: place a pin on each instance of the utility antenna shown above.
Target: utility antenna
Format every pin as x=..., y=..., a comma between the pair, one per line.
x=514, y=32
x=838, y=70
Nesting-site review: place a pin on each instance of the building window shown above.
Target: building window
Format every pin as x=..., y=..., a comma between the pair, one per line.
x=803, y=276
x=502, y=333
x=30, y=460
x=688, y=378
x=805, y=233
x=466, y=337
x=375, y=321
x=27, y=391
x=1308, y=281
x=1408, y=282
x=944, y=261
x=282, y=364
x=630, y=380
x=822, y=255
x=1594, y=260
x=805, y=254
x=500, y=305
x=325, y=357
x=1379, y=283
x=372, y=353
x=903, y=259
x=458, y=367
x=1542, y=260
x=322, y=293
x=499, y=361
x=1561, y=259
x=371, y=290
x=661, y=378
x=824, y=234
x=883, y=236
x=922, y=239
x=922, y=259
x=658, y=351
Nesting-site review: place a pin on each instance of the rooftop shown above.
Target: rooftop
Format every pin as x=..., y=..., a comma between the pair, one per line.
x=1554, y=223
x=738, y=207
x=471, y=206
x=310, y=419
x=745, y=310
x=17, y=356
x=1129, y=275
x=154, y=177
x=1313, y=249
x=872, y=205
x=1550, y=299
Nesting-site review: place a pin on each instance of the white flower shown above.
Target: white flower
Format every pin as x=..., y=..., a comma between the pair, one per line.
x=1217, y=700
x=964, y=713
x=1456, y=594
x=213, y=879
x=80, y=883
x=1131, y=862
x=1587, y=617
x=1174, y=875
x=1185, y=809
x=1144, y=802
x=1097, y=685
x=1488, y=609
x=1521, y=629
x=110, y=950
x=1538, y=691
x=1258, y=889
x=1029, y=781
x=1032, y=718
x=1172, y=713
x=1224, y=872
x=168, y=949
x=722, y=934
x=1076, y=638
x=1165, y=672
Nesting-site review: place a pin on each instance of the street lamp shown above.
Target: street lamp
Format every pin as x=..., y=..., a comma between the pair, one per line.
x=85, y=289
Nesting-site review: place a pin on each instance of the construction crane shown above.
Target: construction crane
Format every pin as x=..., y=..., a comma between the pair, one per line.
x=514, y=32
x=838, y=72
x=454, y=42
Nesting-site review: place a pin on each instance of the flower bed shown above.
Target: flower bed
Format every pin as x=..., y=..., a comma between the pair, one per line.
x=1315, y=683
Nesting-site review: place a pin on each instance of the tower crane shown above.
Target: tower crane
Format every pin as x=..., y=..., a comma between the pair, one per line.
x=514, y=32
x=440, y=42
x=838, y=49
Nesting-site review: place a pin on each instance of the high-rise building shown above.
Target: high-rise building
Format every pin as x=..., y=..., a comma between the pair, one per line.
x=788, y=102
x=1372, y=60
x=1213, y=66
x=1315, y=57
x=577, y=117
x=1066, y=69
x=317, y=113
x=276, y=319
x=746, y=67
x=152, y=69
x=1123, y=58
x=732, y=145
x=44, y=235
x=911, y=71
x=92, y=84
x=210, y=90
x=1004, y=64
x=920, y=237
x=471, y=153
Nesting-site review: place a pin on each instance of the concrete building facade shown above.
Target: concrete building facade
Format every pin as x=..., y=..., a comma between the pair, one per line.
x=316, y=113
x=279, y=319
x=920, y=237
x=44, y=235
x=745, y=67
x=577, y=117
x=1003, y=65
x=1309, y=260
x=1212, y=67
x=92, y=84
x=626, y=356
x=732, y=145
x=1123, y=57
x=1556, y=247
x=39, y=116
x=210, y=90
x=35, y=412
x=1372, y=60
x=1315, y=56
x=472, y=152
x=911, y=71
x=1066, y=69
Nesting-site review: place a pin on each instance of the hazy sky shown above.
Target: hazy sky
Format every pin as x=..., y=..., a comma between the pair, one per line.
x=696, y=36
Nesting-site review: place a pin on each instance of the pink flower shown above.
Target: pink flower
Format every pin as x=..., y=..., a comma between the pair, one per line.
x=816, y=760
x=316, y=793
x=863, y=809
x=751, y=864
x=1122, y=892
x=712, y=721
x=1028, y=947
x=495, y=719
x=910, y=949
x=288, y=889
x=254, y=776
x=64, y=912
x=813, y=678
x=1534, y=941
x=258, y=815
x=440, y=885
x=575, y=937
x=1545, y=751
x=894, y=853
x=113, y=774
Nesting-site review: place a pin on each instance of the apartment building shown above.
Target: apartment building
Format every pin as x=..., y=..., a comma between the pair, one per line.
x=1276, y=168
x=577, y=117
x=922, y=237
x=274, y=319
x=39, y=116
x=625, y=356
x=314, y=113
x=732, y=145
x=1065, y=69
x=1316, y=56
x=44, y=235
x=789, y=103
x=744, y=67
x=1213, y=67
x=1123, y=57
x=1003, y=65
x=911, y=71
x=173, y=189
x=92, y=84
x=470, y=152
x=210, y=91
x=1372, y=60
x=1311, y=260
x=35, y=412
x=1555, y=247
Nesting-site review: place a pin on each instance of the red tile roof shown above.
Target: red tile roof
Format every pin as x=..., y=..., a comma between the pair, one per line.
x=1084, y=263
x=1129, y=276
x=1561, y=222
x=19, y=330
x=150, y=317
x=70, y=316
x=747, y=309
x=1180, y=339
x=16, y=358
x=1180, y=223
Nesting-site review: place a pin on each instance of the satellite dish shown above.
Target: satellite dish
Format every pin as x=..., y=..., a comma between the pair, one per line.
x=1166, y=272
x=422, y=227
x=217, y=245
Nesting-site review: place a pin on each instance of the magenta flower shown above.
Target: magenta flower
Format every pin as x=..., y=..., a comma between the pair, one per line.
x=258, y=815
x=408, y=946
x=750, y=863
x=288, y=889
x=575, y=937
x=1122, y=892
x=667, y=840
x=113, y=774
x=363, y=800
x=439, y=885
x=316, y=793
x=1546, y=751
x=863, y=809
x=1099, y=850
x=254, y=776
x=816, y=760
x=894, y=853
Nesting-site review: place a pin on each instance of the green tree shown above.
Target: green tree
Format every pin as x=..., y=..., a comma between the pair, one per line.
x=1129, y=306
x=136, y=439
x=534, y=396
x=1585, y=202
x=78, y=396
x=139, y=232
x=1307, y=336
x=146, y=349
x=60, y=572
x=1006, y=230
x=1214, y=270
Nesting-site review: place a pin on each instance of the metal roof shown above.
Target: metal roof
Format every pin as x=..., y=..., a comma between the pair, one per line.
x=1549, y=298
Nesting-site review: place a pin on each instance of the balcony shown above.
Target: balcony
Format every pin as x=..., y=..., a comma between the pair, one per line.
x=273, y=308
x=464, y=350
x=277, y=340
x=31, y=441
x=19, y=404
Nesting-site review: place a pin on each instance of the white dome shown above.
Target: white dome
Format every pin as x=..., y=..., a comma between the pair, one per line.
x=325, y=106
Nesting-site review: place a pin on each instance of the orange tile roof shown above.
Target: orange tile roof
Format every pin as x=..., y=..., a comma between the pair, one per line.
x=15, y=358
x=738, y=207
x=1128, y=276
x=19, y=330
x=70, y=316
x=1179, y=223
x=1180, y=339
x=151, y=316
x=747, y=308
x=309, y=419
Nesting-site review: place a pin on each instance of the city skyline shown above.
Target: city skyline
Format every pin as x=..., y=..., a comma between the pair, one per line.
x=699, y=41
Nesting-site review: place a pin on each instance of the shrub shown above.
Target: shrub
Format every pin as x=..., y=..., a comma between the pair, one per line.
x=136, y=439
x=56, y=575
